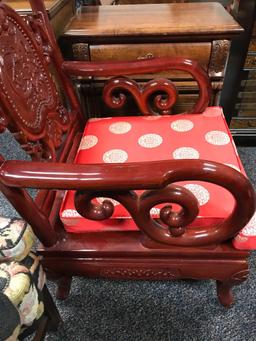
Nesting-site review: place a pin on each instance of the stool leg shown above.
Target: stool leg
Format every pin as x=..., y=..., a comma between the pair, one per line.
x=63, y=287
x=51, y=310
x=224, y=292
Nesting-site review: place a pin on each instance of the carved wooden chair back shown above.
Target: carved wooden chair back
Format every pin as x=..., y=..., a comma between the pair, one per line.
x=31, y=107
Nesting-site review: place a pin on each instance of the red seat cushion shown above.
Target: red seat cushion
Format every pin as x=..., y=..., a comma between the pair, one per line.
x=246, y=239
x=151, y=138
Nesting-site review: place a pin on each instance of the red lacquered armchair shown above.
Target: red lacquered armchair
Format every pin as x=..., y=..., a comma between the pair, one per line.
x=155, y=196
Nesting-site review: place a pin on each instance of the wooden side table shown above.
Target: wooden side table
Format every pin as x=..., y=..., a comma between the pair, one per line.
x=59, y=11
x=200, y=31
x=124, y=2
x=238, y=96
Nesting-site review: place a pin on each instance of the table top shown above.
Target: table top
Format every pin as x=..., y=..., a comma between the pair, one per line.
x=23, y=7
x=153, y=19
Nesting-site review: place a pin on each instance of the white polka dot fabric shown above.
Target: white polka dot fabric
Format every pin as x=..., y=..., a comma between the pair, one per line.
x=182, y=125
x=88, y=142
x=217, y=137
x=151, y=138
x=185, y=153
x=115, y=156
x=120, y=127
x=246, y=239
x=200, y=192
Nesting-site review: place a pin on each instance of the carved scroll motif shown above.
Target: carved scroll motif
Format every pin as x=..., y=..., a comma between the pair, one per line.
x=139, y=207
x=140, y=273
x=27, y=91
x=219, y=57
x=240, y=276
x=172, y=225
x=155, y=97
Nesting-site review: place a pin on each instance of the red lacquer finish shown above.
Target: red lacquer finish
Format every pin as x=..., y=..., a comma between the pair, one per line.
x=108, y=180
x=49, y=132
x=97, y=69
x=39, y=7
x=30, y=104
x=165, y=95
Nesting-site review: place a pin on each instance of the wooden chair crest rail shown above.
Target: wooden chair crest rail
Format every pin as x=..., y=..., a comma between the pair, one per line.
x=50, y=132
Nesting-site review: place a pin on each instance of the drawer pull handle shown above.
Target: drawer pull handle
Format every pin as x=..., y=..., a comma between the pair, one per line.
x=146, y=56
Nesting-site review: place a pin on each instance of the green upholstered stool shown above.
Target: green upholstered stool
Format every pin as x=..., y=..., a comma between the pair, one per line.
x=25, y=303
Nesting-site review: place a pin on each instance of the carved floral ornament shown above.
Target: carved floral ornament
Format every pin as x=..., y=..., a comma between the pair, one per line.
x=37, y=25
x=159, y=272
x=219, y=56
x=141, y=273
x=27, y=91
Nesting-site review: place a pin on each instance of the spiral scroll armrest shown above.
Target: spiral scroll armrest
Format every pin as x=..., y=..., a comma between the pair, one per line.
x=110, y=69
x=117, y=181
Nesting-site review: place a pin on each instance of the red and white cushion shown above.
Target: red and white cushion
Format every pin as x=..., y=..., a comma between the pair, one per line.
x=151, y=138
x=246, y=239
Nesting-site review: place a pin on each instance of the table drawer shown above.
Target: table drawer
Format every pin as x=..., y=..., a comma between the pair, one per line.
x=126, y=52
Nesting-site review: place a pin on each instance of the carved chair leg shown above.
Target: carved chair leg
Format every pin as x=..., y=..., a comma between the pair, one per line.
x=224, y=292
x=63, y=287
x=51, y=310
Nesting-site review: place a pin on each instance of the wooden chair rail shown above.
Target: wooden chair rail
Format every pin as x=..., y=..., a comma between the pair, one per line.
x=118, y=181
x=153, y=65
x=108, y=69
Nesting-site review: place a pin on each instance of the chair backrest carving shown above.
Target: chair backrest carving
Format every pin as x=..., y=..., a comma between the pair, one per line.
x=31, y=107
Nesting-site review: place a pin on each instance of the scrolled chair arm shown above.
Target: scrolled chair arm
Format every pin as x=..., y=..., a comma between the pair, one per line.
x=150, y=66
x=118, y=181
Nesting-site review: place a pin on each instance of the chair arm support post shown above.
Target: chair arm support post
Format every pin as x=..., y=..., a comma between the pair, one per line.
x=27, y=208
x=118, y=180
